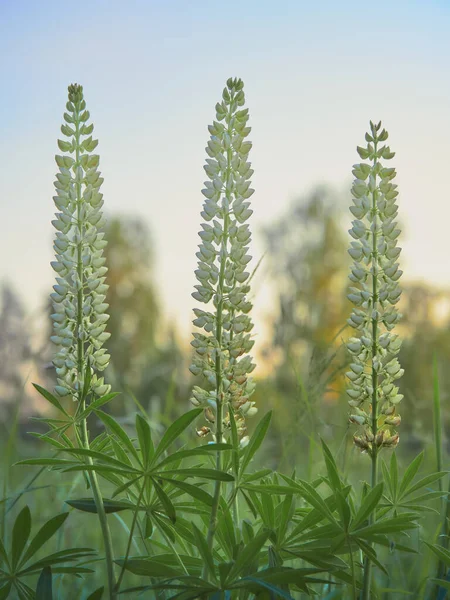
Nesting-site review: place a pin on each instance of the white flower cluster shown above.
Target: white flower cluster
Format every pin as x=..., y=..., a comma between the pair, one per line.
x=221, y=351
x=375, y=274
x=79, y=307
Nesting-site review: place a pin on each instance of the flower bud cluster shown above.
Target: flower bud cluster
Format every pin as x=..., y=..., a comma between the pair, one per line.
x=375, y=292
x=221, y=350
x=79, y=308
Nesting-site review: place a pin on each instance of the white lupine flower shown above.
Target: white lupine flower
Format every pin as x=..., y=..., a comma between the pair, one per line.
x=79, y=317
x=375, y=273
x=222, y=275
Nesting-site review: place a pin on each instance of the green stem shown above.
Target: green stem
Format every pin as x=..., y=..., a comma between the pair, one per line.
x=218, y=364
x=352, y=567
x=130, y=537
x=374, y=452
x=98, y=499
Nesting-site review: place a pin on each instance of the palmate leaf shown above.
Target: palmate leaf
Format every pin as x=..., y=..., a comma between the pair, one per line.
x=175, y=430
x=410, y=473
x=19, y=566
x=114, y=426
x=43, y=535
x=68, y=555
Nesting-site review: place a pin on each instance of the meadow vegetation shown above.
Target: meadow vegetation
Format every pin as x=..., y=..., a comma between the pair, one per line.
x=307, y=482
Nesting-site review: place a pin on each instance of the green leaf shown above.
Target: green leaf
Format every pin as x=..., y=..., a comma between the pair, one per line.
x=235, y=444
x=333, y=475
x=343, y=508
x=48, y=396
x=20, y=535
x=441, y=553
x=110, y=506
x=97, y=595
x=43, y=535
x=165, y=501
x=393, y=472
x=200, y=472
x=164, y=526
x=425, y=481
x=270, y=488
x=442, y=583
x=248, y=554
x=368, y=505
x=70, y=554
x=96, y=404
x=120, y=433
x=204, y=551
x=286, y=512
x=4, y=590
x=437, y=418
x=316, y=501
x=201, y=451
x=194, y=491
x=44, y=587
x=272, y=588
x=410, y=473
x=145, y=439
x=175, y=430
x=101, y=456
x=3, y=554
x=148, y=568
x=255, y=441
x=396, y=524
x=61, y=462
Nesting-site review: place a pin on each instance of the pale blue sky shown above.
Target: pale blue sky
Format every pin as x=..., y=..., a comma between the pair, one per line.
x=314, y=72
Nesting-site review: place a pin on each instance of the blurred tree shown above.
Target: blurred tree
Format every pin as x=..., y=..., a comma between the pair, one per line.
x=15, y=348
x=426, y=332
x=140, y=362
x=308, y=264
x=131, y=296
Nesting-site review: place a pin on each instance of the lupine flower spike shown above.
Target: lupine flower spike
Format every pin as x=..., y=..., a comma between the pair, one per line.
x=374, y=370
x=222, y=350
x=79, y=308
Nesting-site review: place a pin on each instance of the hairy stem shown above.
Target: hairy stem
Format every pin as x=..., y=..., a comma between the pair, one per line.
x=98, y=499
x=374, y=452
x=218, y=363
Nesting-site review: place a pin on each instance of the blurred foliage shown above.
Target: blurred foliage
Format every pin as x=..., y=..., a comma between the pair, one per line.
x=308, y=266
x=145, y=359
x=307, y=269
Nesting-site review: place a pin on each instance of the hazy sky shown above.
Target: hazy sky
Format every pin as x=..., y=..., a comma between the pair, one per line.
x=314, y=73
